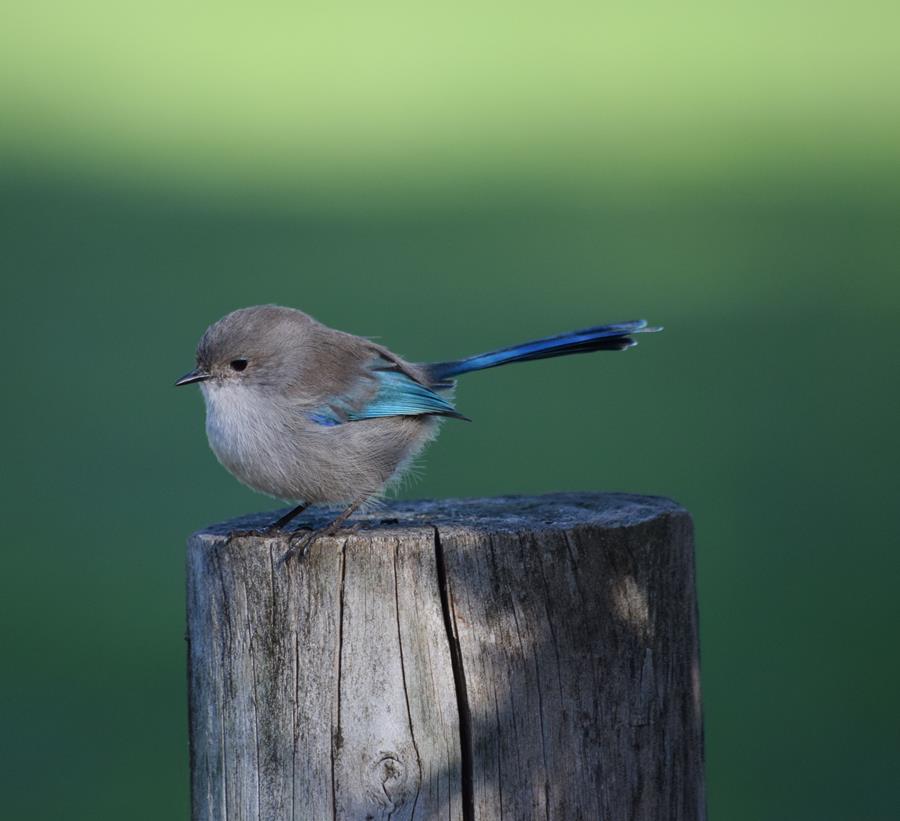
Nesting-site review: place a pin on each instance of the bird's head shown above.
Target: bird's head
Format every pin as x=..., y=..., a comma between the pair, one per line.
x=251, y=347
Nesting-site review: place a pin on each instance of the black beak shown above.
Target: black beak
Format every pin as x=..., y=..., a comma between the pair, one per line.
x=196, y=375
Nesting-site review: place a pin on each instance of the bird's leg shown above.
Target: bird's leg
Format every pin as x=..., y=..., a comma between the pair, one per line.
x=305, y=542
x=289, y=516
x=272, y=529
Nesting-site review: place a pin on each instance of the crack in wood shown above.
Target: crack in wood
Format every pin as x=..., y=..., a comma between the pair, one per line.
x=336, y=738
x=254, y=699
x=294, y=716
x=466, y=752
x=535, y=548
x=226, y=629
x=412, y=734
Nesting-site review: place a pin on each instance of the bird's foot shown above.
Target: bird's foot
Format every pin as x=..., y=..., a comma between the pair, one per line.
x=301, y=543
x=270, y=532
x=273, y=530
x=240, y=534
x=299, y=547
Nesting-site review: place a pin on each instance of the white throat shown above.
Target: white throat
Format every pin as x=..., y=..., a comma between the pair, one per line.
x=242, y=428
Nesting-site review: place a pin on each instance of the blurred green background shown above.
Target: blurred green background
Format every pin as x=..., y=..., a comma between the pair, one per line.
x=451, y=180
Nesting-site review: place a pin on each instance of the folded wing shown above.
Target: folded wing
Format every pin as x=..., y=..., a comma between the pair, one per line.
x=391, y=392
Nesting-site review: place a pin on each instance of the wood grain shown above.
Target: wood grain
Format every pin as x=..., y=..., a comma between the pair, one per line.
x=497, y=658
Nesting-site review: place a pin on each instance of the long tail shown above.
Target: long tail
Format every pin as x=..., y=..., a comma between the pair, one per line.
x=599, y=338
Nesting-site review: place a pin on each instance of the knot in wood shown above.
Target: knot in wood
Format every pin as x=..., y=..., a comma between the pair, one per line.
x=391, y=776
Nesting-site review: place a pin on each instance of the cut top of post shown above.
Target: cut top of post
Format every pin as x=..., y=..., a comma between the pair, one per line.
x=499, y=514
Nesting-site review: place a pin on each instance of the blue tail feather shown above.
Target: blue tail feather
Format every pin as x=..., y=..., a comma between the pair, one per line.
x=599, y=338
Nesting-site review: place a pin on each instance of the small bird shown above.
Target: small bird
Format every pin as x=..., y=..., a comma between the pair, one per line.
x=313, y=415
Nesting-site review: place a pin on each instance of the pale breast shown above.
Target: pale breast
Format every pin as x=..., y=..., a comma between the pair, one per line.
x=245, y=433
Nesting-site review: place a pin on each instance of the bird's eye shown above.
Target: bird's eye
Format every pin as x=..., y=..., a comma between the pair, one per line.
x=238, y=364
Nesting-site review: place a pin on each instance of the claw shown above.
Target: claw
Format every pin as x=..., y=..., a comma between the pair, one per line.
x=300, y=549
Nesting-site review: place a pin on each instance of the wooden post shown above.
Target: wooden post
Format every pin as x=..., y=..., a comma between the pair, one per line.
x=511, y=658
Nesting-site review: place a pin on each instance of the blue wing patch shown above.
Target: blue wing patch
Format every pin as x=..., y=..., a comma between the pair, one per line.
x=397, y=395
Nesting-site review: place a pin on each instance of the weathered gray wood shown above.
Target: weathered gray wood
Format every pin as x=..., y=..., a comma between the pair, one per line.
x=481, y=659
